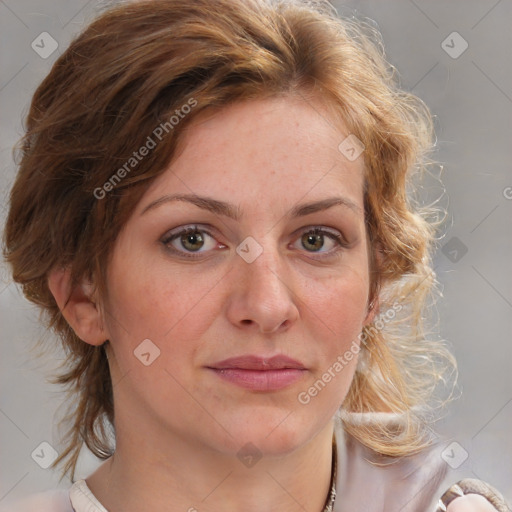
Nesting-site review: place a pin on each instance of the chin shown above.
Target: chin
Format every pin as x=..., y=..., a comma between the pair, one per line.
x=271, y=434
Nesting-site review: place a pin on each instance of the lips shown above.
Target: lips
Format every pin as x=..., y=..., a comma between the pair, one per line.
x=260, y=373
x=250, y=362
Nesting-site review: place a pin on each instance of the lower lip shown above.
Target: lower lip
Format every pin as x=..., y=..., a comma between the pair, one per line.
x=260, y=380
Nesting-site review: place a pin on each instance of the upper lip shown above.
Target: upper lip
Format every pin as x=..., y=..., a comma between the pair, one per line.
x=251, y=362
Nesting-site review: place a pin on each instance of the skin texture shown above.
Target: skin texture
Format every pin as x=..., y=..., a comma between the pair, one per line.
x=179, y=426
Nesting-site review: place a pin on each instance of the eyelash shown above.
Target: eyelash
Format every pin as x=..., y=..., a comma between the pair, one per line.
x=315, y=230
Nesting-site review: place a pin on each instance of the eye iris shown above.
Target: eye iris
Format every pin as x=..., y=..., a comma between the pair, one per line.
x=316, y=240
x=192, y=239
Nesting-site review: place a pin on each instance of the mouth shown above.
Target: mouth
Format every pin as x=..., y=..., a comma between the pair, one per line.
x=260, y=373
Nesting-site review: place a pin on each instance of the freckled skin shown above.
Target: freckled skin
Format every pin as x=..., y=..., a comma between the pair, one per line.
x=265, y=156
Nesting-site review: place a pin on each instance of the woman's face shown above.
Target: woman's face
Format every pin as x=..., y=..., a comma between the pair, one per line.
x=252, y=279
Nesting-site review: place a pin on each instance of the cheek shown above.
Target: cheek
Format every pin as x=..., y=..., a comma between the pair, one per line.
x=335, y=319
x=163, y=306
x=174, y=315
x=339, y=303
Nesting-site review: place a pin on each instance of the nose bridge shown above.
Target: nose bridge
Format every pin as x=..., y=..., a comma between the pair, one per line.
x=266, y=272
x=263, y=293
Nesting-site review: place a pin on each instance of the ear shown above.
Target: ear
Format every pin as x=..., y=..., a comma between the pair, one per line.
x=373, y=309
x=77, y=305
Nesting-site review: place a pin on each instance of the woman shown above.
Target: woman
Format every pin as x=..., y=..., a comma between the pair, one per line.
x=211, y=208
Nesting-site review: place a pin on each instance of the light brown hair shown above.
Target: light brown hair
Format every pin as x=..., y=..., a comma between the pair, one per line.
x=129, y=72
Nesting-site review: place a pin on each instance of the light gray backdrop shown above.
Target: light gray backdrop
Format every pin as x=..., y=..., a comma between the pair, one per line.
x=453, y=54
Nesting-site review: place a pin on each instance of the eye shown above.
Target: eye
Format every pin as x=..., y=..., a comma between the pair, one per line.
x=189, y=240
x=314, y=240
x=192, y=241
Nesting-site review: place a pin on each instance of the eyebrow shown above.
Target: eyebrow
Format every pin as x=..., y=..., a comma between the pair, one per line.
x=235, y=213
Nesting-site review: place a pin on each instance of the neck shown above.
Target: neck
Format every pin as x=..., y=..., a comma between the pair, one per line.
x=186, y=477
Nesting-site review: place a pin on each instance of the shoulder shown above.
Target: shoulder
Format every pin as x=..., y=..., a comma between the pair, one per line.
x=78, y=498
x=49, y=501
x=369, y=481
x=83, y=499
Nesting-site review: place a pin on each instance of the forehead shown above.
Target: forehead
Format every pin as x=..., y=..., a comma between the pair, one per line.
x=274, y=151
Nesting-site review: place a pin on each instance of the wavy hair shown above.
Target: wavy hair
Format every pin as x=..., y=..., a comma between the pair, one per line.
x=134, y=67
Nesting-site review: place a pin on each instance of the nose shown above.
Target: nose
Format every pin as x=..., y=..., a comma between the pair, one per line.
x=262, y=297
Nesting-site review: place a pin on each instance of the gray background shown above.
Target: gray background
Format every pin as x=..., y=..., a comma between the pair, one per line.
x=471, y=97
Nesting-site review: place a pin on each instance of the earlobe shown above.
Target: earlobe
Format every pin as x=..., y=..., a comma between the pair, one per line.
x=77, y=306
